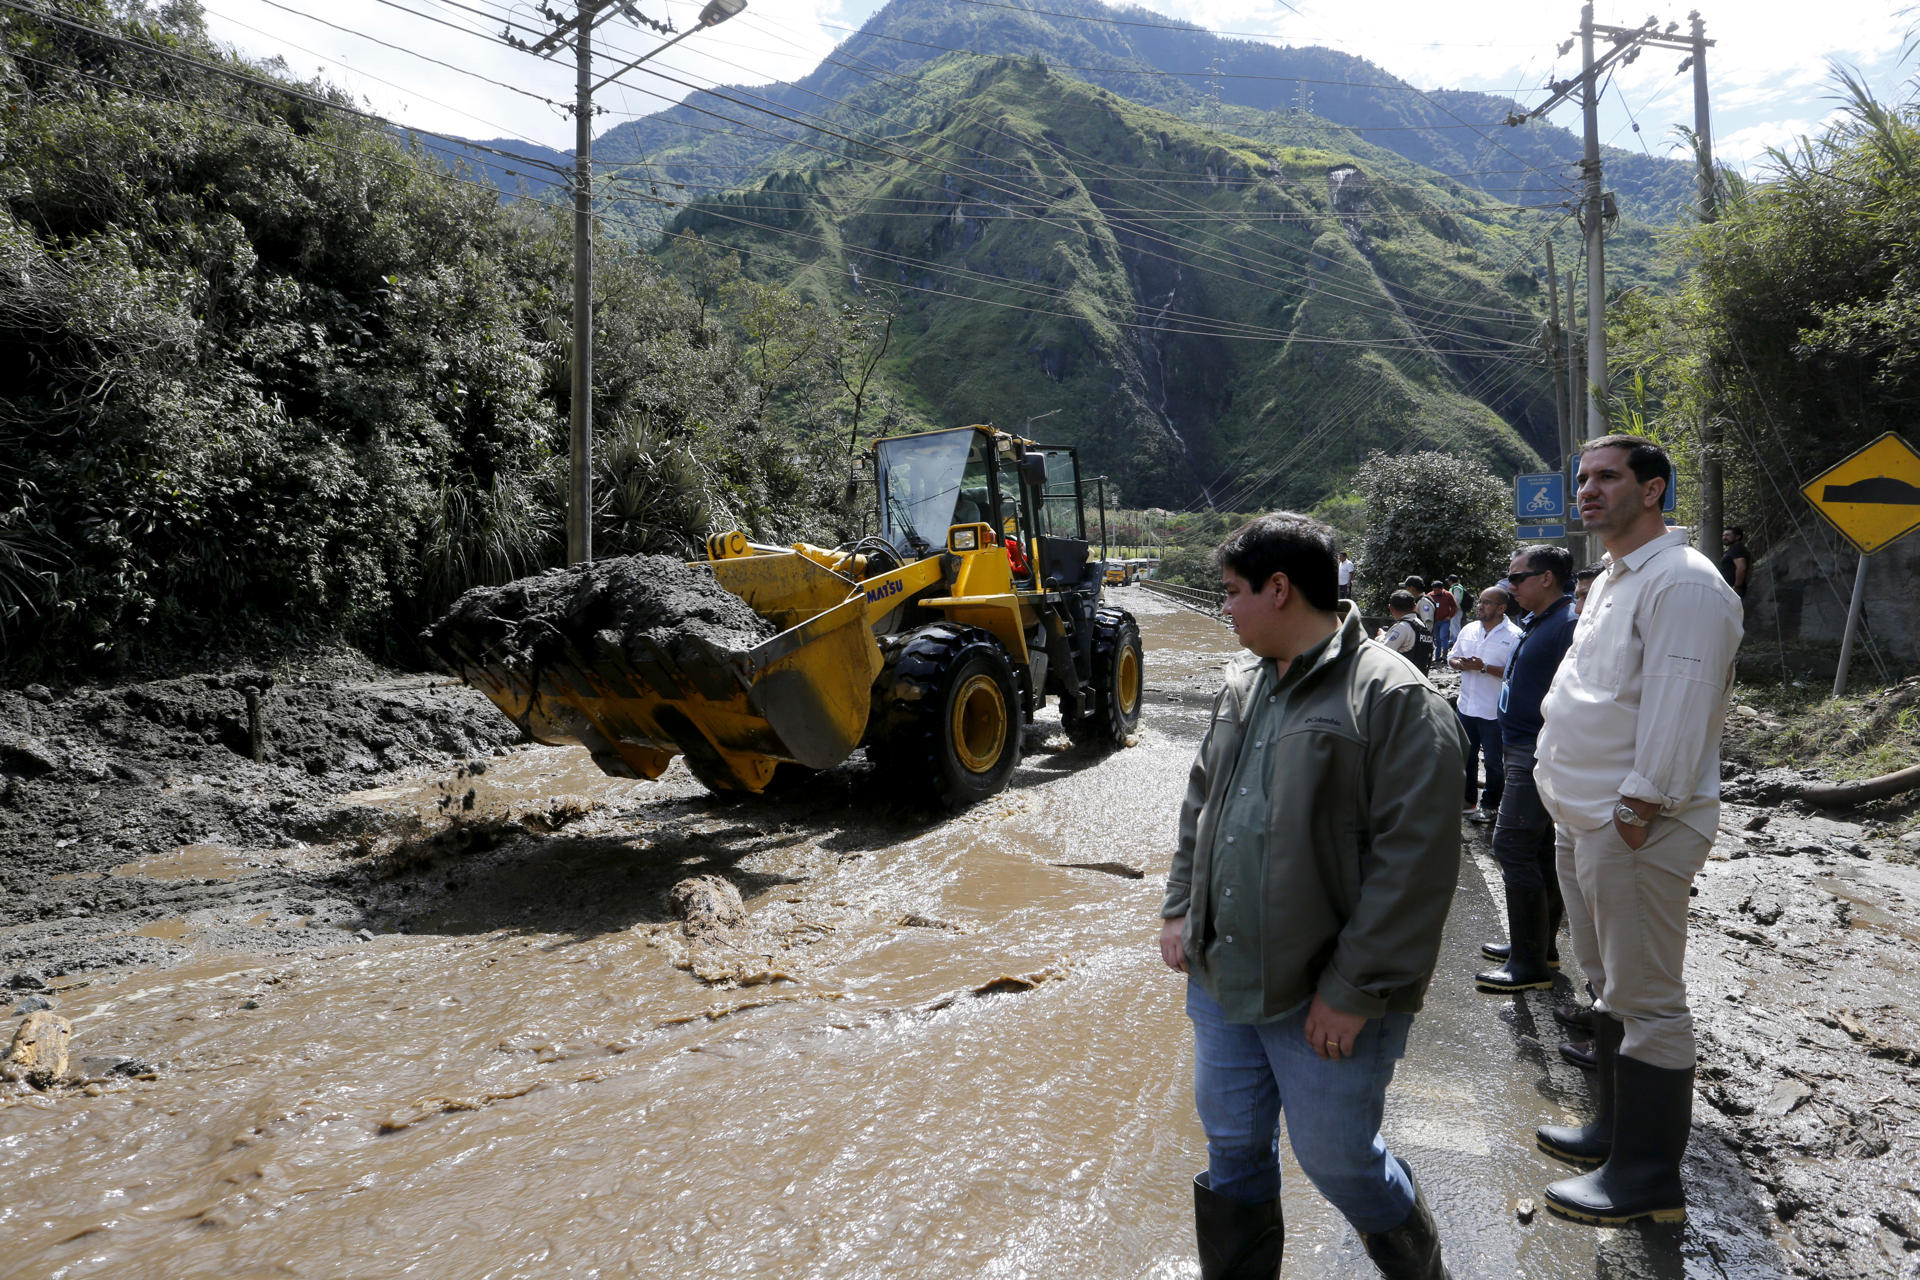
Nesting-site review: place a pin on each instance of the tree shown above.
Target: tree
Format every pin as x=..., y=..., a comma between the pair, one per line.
x=1798, y=331
x=1430, y=513
x=268, y=375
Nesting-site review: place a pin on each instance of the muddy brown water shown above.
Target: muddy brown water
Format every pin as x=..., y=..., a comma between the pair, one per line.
x=934, y=1052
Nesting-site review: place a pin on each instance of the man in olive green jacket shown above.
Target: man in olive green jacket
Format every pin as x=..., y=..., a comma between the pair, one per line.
x=1319, y=845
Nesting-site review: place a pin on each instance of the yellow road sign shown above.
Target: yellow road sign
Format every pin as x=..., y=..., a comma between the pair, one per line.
x=1872, y=497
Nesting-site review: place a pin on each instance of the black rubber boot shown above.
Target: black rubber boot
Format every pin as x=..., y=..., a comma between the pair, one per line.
x=1591, y=1143
x=1501, y=950
x=1238, y=1241
x=1526, y=966
x=1641, y=1179
x=1411, y=1251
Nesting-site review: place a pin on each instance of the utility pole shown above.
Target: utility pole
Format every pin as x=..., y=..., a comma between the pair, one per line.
x=580, y=426
x=1562, y=423
x=587, y=14
x=1712, y=488
x=1573, y=371
x=1627, y=43
x=1594, y=224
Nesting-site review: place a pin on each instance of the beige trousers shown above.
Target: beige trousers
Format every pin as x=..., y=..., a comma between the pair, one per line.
x=1627, y=911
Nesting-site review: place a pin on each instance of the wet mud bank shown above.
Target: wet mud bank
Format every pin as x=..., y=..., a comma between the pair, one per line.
x=1803, y=957
x=124, y=808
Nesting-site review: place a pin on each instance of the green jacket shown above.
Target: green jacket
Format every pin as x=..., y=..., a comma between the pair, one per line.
x=1363, y=834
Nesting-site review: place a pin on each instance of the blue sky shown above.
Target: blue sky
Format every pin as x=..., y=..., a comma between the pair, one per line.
x=1771, y=68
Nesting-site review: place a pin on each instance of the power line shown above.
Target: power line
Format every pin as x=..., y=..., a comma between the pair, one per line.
x=261, y=81
x=503, y=129
x=351, y=152
x=1348, y=408
x=911, y=88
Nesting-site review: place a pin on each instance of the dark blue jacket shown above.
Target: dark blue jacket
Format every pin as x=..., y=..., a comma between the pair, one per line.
x=1543, y=642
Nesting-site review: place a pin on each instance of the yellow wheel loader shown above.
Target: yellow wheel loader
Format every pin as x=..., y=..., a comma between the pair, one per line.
x=932, y=642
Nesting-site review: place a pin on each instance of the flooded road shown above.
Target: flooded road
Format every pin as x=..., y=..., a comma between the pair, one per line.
x=936, y=1049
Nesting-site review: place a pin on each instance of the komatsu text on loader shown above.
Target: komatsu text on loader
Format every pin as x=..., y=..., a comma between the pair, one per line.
x=932, y=642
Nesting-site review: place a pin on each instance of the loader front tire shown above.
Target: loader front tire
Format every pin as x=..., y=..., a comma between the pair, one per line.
x=1118, y=678
x=957, y=706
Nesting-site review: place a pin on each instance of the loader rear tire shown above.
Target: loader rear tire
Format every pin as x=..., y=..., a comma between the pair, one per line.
x=1118, y=679
x=956, y=706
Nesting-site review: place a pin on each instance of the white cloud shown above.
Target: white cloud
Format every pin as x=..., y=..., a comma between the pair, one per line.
x=1748, y=146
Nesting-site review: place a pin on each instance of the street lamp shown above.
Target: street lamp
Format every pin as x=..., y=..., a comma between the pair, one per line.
x=580, y=428
x=716, y=12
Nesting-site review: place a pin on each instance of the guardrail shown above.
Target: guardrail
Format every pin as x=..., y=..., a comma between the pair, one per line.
x=1192, y=597
x=1210, y=602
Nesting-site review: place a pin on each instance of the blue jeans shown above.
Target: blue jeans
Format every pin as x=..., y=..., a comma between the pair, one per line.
x=1445, y=632
x=1244, y=1076
x=1483, y=742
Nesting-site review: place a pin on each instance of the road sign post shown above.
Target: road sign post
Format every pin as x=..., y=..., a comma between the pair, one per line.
x=1872, y=499
x=1540, y=499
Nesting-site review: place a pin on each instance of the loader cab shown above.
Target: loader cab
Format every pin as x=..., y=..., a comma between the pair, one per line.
x=929, y=482
x=1056, y=523
x=964, y=475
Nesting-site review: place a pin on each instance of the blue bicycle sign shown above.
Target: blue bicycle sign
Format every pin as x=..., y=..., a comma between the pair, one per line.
x=1539, y=499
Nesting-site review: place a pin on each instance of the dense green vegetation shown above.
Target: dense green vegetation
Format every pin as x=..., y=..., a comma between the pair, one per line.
x=1213, y=319
x=270, y=376
x=1796, y=338
x=1430, y=515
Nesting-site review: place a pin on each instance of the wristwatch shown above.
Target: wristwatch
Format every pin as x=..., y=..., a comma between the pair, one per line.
x=1624, y=815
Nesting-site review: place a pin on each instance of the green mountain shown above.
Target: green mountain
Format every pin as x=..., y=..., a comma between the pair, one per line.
x=730, y=135
x=1235, y=320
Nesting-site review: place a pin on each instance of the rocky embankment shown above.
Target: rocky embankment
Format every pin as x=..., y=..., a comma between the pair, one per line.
x=92, y=779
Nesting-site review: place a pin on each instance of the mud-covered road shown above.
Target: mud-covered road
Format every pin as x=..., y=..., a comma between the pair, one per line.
x=403, y=997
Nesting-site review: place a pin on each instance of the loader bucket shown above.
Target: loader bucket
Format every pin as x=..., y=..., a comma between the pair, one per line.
x=637, y=700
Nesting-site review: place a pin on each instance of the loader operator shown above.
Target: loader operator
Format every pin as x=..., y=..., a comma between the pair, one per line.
x=1318, y=848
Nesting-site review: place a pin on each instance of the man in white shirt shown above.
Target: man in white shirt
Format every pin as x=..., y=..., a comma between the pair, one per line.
x=1480, y=656
x=1346, y=576
x=1629, y=767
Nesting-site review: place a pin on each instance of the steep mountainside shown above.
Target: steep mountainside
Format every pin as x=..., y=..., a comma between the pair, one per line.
x=1215, y=317
x=727, y=138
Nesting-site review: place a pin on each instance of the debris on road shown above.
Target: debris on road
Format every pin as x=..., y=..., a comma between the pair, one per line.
x=656, y=598
x=708, y=907
x=38, y=1054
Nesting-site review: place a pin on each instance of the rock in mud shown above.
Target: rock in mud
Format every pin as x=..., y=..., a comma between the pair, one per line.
x=38, y=1054
x=532, y=621
x=707, y=906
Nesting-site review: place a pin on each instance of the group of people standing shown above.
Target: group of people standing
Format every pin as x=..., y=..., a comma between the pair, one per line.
x=1320, y=841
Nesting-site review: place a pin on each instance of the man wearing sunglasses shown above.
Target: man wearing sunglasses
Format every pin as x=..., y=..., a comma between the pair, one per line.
x=1630, y=770
x=1540, y=581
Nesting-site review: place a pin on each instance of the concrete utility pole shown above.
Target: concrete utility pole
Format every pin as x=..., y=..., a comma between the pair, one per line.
x=1627, y=43
x=580, y=426
x=1562, y=423
x=1712, y=488
x=587, y=14
x=1594, y=224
